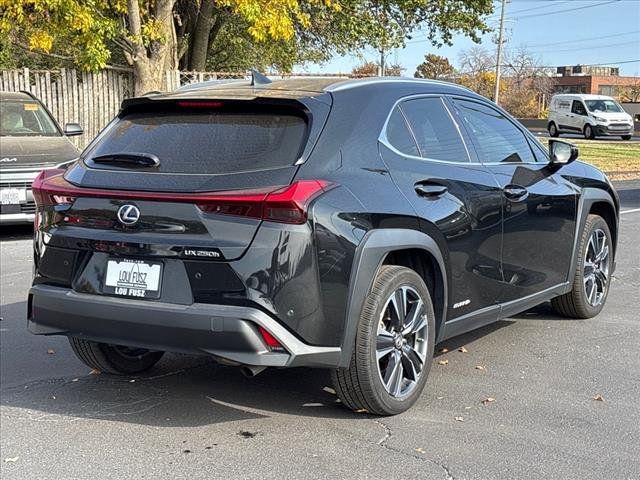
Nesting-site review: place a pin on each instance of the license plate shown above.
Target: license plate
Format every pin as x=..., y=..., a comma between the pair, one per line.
x=13, y=196
x=133, y=278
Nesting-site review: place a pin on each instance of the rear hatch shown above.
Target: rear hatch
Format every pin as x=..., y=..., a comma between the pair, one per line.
x=188, y=179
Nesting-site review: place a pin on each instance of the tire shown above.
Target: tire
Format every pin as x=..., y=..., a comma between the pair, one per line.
x=626, y=137
x=114, y=359
x=553, y=130
x=588, y=132
x=579, y=303
x=361, y=386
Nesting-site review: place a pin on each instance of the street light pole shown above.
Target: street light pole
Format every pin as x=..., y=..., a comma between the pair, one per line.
x=496, y=94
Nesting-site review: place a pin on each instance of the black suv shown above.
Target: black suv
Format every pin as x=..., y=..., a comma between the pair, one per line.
x=342, y=224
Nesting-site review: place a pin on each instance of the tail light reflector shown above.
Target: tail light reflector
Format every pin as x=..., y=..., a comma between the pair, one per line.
x=269, y=339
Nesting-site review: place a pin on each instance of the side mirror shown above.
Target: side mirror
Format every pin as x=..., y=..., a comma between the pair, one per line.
x=73, y=129
x=562, y=153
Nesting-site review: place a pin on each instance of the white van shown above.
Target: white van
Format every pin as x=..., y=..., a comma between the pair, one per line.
x=589, y=115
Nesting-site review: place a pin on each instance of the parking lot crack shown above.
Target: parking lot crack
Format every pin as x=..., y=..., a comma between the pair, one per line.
x=384, y=443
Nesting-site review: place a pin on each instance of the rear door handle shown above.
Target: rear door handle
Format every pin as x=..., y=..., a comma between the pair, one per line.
x=429, y=189
x=515, y=192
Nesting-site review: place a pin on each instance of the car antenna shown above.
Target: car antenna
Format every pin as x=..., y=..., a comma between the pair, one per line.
x=258, y=79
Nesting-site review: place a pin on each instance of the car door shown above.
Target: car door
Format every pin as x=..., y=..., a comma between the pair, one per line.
x=459, y=203
x=578, y=116
x=539, y=205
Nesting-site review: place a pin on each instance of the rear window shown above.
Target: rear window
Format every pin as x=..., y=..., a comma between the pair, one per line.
x=209, y=141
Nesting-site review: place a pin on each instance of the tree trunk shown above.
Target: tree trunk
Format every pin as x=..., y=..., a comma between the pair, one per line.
x=200, y=37
x=150, y=64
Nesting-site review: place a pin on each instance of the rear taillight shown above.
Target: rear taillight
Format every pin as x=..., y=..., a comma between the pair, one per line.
x=277, y=204
x=49, y=189
x=284, y=205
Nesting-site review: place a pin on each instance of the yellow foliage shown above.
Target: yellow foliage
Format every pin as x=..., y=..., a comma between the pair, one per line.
x=40, y=40
x=275, y=19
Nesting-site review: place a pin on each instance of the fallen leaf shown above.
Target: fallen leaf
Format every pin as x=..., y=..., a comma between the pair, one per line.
x=11, y=459
x=459, y=419
x=443, y=362
x=420, y=450
x=444, y=350
x=439, y=398
x=51, y=351
x=599, y=398
x=329, y=390
x=463, y=350
x=488, y=400
x=94, y=372
x=480, y=367
x=75, y=379
x=362, y=410
x=467, y=408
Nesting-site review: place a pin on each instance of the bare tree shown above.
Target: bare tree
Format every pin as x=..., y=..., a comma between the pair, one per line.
x=476, y=60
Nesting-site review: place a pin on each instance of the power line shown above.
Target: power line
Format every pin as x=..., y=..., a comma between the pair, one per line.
x=581, y=39
x=549, y=4
x=582, y=47
x=584, y=7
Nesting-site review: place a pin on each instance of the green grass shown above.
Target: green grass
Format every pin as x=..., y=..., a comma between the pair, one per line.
x=610, y=157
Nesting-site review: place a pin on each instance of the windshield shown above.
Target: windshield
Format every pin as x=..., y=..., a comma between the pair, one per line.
x=603, y=106
x=25, y=118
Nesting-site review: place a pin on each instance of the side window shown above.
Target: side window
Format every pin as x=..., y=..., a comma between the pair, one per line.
x=399, y=135
x=493, y=135
x=541, y=154
x=434, y=130
x=578, y=108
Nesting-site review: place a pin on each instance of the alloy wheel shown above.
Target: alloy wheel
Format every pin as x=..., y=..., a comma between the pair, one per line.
x=401, y=343
x=596, y=268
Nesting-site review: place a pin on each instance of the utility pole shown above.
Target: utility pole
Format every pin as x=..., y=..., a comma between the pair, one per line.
x=382, y=66
x=499, y=55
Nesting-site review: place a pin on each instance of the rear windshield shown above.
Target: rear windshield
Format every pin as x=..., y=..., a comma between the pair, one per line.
x=25, y=119
x=213, y=142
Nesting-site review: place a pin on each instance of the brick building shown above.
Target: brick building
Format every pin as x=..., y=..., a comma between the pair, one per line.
x=596, y=80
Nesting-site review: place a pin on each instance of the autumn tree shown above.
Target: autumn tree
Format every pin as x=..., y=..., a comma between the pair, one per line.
x=371, y=69
x=435, y=67
x=156, y=35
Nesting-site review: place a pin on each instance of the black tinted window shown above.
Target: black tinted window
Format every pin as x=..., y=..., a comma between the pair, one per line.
x=494, y=137
x=539, y=152
x=208, y=141
x=399, y=135
x=435, y=132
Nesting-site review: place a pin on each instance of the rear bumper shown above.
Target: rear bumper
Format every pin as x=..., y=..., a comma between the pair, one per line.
x=16, y=218
x=224, y=331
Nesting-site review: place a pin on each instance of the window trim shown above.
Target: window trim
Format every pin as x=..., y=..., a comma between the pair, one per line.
x=527, y=135
x=383, y=139
x=446, y=99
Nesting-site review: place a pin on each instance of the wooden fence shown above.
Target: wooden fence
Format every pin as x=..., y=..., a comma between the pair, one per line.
x=90, y=99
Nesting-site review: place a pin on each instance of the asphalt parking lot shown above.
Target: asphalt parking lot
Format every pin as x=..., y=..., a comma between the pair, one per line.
x=189, y=418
